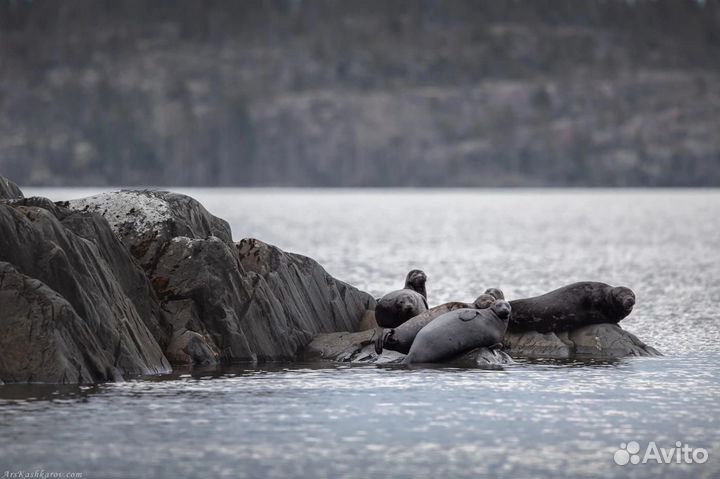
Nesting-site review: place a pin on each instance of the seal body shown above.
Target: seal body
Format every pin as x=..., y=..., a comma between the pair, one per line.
x=458, y=331
x=396, y=307
x=401, y=337
x=572, y=306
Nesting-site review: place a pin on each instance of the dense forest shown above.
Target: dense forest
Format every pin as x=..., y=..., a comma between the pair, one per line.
x=360, y=93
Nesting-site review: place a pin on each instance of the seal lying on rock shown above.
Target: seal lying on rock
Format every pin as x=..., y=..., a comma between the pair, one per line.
x=396, y=307
x=571, y=307
x=458, y=331
x=401, y=338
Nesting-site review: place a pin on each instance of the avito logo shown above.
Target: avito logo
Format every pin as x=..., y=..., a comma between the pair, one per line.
x=680, y=454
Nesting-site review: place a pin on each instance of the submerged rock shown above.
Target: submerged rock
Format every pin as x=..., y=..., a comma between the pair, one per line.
x=594, y=341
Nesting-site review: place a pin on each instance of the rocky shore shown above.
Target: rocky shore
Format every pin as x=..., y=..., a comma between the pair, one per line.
x=129, y=283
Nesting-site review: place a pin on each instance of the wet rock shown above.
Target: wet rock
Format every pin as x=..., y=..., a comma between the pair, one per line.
x=359, y=348
x=483, y=358
x=335, y=346
x=594, y=341
x=599, y=341
x=9, y=190
x=608, y=341
x=532, y=344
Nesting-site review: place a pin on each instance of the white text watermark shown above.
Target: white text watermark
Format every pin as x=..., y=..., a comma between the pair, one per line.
x=630, y=453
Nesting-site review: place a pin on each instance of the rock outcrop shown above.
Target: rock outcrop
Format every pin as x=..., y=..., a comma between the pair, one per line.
x=9, y=190
x=64, y=290
x=43, y=338
x=228, y=302
x=597, y=341
x=122, y=284
x=359, y=348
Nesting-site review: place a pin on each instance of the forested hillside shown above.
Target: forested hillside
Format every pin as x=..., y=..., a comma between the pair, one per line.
x=360, y=93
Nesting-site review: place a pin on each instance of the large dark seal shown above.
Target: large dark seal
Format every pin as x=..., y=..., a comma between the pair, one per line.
x=459, y=331
x=572, y=306
x=401, y=338
x=396, y=307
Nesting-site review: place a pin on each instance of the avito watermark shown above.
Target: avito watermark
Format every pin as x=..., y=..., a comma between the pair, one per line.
x=680, y=454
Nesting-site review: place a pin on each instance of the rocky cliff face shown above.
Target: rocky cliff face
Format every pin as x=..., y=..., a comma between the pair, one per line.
x=121, y=284
x=361, y=92
x=84, y=327
x=238, y=302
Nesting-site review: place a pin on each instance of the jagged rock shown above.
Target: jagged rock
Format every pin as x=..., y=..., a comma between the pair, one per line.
x=42, y=338
x=9, y=190
x=244, y=302
x=40, y=245
x=147, y=220
x=359, y=348
x=593, y=341
x=305, y=290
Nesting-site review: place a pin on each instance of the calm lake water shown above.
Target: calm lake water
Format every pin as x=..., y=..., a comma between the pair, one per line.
x=532, y=419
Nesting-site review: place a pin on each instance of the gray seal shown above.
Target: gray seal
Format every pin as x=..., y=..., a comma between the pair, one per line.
x=572, y=306
x=495, y=293
x=396, y=307
x=401, y=338
x=459, y=331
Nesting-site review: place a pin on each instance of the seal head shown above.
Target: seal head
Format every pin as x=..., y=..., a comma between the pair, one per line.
x=495, y=293
x=502, y=309
x=415, y=280
x=484, y=301
x=623, y=298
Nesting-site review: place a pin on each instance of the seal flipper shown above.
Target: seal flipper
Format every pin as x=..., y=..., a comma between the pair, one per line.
x=496, y=346
x=381, y=336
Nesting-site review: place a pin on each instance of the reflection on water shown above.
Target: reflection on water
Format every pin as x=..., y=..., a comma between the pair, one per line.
x=533, y=418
